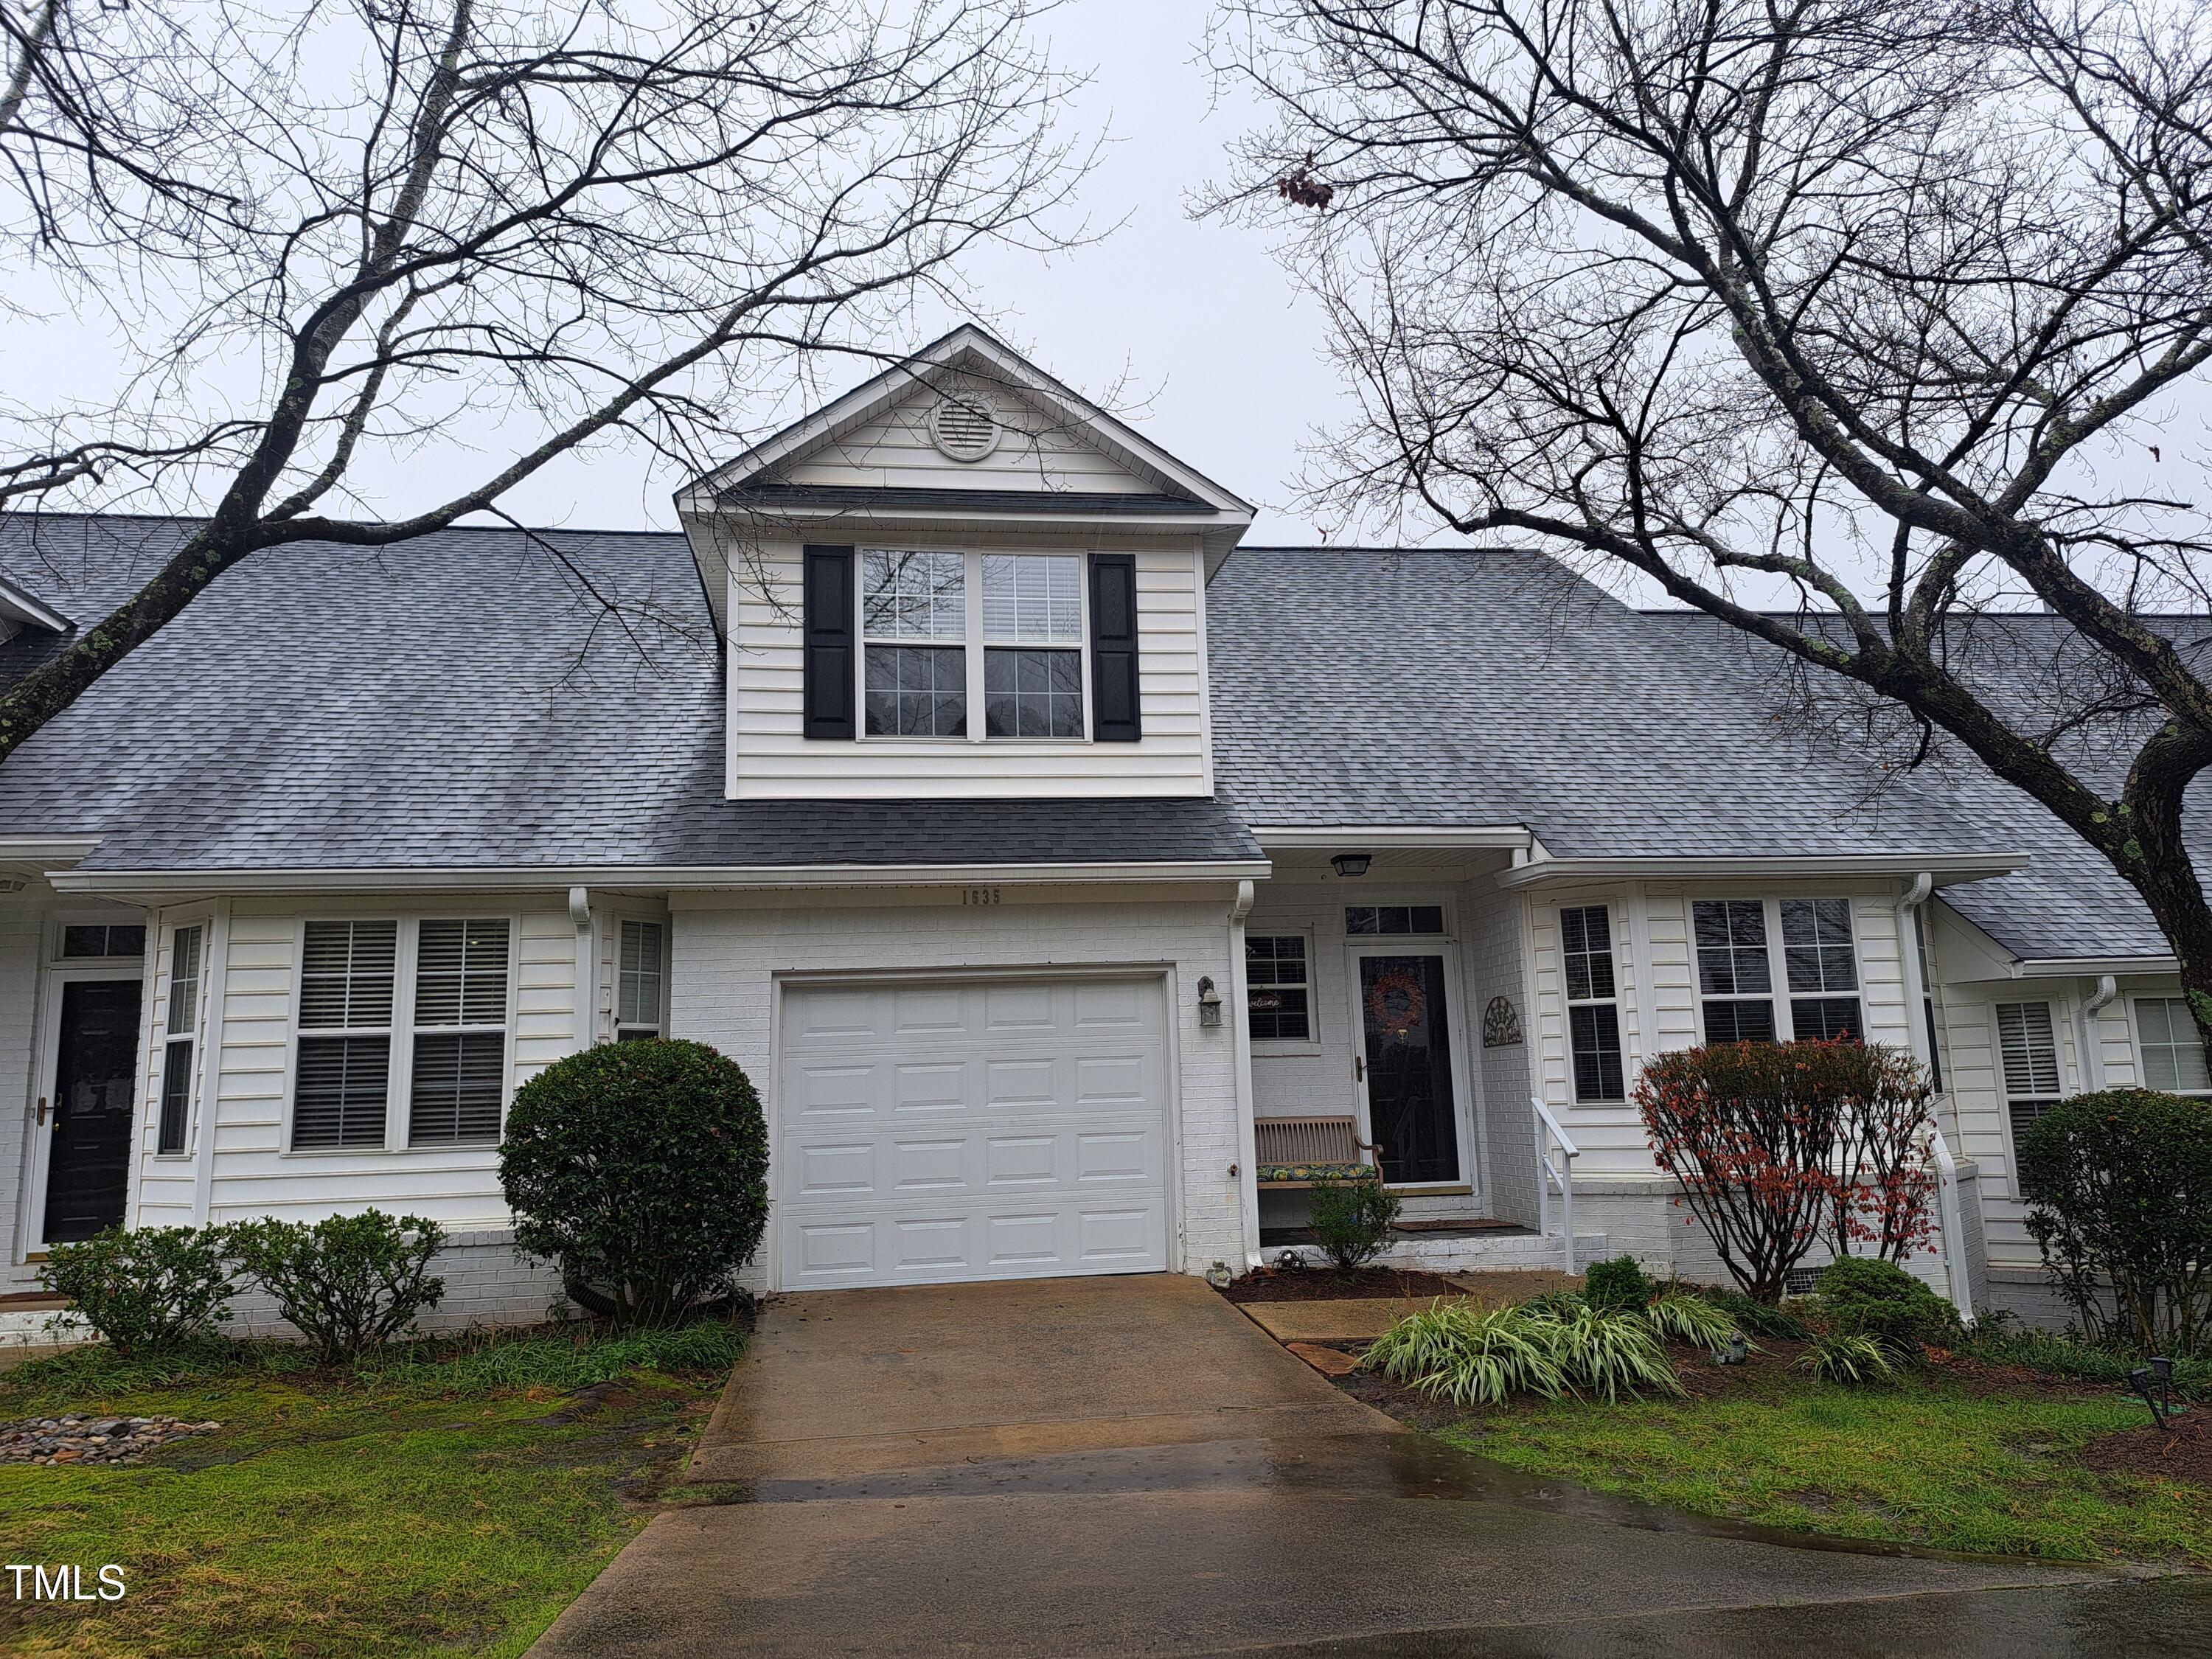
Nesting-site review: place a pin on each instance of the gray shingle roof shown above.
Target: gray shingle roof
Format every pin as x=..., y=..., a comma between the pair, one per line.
x=457, y=703
x=1463, y=687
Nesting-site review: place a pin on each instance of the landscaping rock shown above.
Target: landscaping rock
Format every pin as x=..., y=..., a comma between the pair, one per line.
x=57, y=1441
x=1330, y=1361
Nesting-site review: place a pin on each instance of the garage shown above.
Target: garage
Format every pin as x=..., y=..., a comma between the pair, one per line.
x=933, y=1130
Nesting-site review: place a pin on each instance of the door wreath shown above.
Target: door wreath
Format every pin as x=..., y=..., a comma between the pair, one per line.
x=1396, y=1002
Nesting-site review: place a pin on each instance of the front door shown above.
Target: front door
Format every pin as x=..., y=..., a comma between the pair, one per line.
x=96, y=1064
x=1412, y=1111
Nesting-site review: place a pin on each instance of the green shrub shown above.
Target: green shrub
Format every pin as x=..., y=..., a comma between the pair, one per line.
x=1350, y=1219
x=1860, y=1296
x=641, y=1169
x=1753, y=1317
x=1848, y=1357
x=2069, y=1357
x=2119, y=1186
x=1453, y=1351
x=1608, y=1354
x=1678, y=1316
x=349, y=1283
x=1620, y=1285
x=145, y=1289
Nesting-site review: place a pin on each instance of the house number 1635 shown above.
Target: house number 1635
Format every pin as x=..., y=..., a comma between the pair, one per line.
x=982, y=896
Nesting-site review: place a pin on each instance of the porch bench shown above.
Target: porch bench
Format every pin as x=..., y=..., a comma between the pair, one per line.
x=1304, y=1151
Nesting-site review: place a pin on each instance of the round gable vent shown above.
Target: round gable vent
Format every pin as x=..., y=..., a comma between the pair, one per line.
x=965, y=426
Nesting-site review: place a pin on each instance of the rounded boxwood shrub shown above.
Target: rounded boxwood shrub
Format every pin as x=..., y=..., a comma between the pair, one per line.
x=641, y=1169
x=2119, y=1186
x=1865, y=1295
x=347, y=1283
x=1620, y=1285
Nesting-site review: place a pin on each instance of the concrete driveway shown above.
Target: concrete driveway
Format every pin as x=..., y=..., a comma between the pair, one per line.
x=1123, y=1466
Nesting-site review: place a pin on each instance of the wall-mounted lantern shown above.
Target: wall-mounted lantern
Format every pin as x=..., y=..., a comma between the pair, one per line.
x=1352, y=864
x=1209, y=1003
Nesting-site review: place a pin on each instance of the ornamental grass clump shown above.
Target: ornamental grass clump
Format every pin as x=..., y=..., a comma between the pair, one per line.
x=1678, y=1316
x=1851, y=1358
x=1605, y=1353
x=1451, y=1350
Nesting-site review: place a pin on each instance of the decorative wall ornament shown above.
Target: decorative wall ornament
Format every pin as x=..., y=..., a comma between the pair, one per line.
x=1501, y=1024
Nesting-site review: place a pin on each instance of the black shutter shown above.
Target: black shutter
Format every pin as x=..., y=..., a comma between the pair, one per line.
x=829, y=630
x=1114, y=715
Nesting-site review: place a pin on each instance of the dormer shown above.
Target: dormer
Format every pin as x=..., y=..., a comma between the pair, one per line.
x=962, y=579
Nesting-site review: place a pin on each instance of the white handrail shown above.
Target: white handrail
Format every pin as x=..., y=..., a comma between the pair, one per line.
x=1561, y=1174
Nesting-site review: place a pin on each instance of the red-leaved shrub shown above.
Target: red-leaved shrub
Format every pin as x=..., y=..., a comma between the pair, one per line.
x=1781, y=1145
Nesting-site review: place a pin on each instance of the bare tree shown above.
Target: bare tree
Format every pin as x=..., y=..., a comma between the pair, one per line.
x=1864, y=299
x=405, y=218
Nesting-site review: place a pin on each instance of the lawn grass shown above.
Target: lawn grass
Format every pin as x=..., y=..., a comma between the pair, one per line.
x=443, y=1501
x=1929, y=1462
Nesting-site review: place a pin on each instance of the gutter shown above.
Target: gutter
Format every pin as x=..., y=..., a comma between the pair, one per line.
x=506, y=879
x=1394, y=834
x=1962, y=867
x=1958, y=1272
x=2093, y=1051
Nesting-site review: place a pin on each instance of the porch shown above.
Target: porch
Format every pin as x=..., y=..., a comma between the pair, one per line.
x=1385, y=977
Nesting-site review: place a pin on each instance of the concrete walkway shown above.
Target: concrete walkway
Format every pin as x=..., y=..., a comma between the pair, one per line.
x=1127, y=1465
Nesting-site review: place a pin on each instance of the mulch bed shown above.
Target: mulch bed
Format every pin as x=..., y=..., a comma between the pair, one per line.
x=2182, y=1452
x=1334, y=1285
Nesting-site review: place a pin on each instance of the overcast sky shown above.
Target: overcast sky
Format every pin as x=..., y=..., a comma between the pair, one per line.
x=1193, y=323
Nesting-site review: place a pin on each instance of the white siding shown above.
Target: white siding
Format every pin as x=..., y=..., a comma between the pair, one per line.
x=771, y=760
x=1034, y=453
x=163, y=1189
x=729, y=949
x=254, y=1175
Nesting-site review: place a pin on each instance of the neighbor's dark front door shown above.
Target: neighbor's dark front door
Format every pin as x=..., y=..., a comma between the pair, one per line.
x=1409, y=1082
x=88, y=1162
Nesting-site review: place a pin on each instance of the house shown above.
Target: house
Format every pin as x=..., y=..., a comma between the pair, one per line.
x=1041, y=850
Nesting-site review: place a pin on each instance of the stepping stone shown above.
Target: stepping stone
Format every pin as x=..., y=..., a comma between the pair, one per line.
x=1360, y=1321
x=1330, y=1361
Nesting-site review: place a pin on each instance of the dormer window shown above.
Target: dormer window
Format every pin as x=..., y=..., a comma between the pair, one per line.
x=1032, y=645
x=911, y=603
x=942, y=632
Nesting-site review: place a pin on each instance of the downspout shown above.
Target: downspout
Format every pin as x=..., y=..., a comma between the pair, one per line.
x=588, y=970
x=1248, y=1143
x=2093, y=1050
x=1950, y=1214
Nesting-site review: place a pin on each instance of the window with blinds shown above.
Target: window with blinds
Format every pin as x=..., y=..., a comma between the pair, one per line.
x=1593, y=1005
x=458, y=1081
x=181, y=1028
x=639, y=987
x=2027, y=1051
x=341, y=1079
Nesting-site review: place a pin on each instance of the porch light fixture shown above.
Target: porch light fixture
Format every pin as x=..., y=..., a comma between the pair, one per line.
x=1352, y=864
x=1209, y=1003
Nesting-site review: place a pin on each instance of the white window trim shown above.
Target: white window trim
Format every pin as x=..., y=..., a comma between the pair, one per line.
x=165, y=1039
x=399, y=1078
x=59, y=924
x=504, y=1030
x=972, y=641
x=1363, y=940
x=1570, y=1001
x=1777, y=963
x=1312, y=1043
x=2050, y=1006
x=2135, y=1000
x=622, y=918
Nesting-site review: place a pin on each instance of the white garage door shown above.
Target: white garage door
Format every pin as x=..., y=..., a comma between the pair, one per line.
x=949, y=1129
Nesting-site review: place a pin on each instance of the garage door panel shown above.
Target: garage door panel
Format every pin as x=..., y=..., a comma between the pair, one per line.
x=972, y=1131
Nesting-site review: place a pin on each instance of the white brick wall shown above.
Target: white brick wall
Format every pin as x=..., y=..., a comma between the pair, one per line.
x=729, y=949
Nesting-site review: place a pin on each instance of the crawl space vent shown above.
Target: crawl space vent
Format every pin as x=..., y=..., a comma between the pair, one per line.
x=965, y=427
